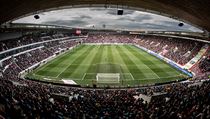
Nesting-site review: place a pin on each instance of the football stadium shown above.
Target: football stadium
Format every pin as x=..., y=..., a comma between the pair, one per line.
x=104, y=59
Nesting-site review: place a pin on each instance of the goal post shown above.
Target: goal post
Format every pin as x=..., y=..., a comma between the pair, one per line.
x=108, y=78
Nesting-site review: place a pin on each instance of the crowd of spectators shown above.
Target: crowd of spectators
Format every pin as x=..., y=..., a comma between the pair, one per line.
x=178, y=50
x=204, y=64
x=43, y=101
x=107, y=38
x=29, y=39
x=202, y=67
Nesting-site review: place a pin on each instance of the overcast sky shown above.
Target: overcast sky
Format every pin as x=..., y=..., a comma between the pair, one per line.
x=98, y=17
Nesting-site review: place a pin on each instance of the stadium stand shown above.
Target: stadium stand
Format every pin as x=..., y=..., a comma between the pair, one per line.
x=107, y=38
x=202, y=67
x=29, y=39
x=29, y=99
x=37, y=100
x=178, y=50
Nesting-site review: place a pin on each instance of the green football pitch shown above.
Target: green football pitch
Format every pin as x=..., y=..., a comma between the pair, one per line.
x=83, y=63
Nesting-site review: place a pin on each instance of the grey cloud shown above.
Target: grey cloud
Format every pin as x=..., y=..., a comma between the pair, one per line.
x=85, y=17
x=125, y=25
x=68, y=22
x=142, y=17
x=175, y=25
x=162, y=27
x=169, y=23
x=138, y=25
x=144, y=26
x=82, y=17
x=112, y=12
x=139, y=18
x=127, y=19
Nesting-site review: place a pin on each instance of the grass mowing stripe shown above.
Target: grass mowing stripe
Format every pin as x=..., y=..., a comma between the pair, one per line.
x=87, y=60
x=111, y=66
x=92, y=70
x=111, y=59
x=104, y=56
x=96, y=60
x=131, y=53
x=110, y=55
x=72, y=59
x=69, y=70
x=118, y=59
x=127, y=60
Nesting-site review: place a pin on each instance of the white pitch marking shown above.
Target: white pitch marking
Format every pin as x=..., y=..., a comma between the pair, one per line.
x=159, y=78
x=131, y=76
x=84, y=76
x=65, y=68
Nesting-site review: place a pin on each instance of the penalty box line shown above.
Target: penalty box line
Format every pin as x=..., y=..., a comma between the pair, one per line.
x=84, y=76
x=132, y=76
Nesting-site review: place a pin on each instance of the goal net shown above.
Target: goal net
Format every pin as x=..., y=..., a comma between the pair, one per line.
x=108, y=78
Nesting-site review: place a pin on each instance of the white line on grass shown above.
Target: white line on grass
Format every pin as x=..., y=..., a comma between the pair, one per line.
x=152, y=71
x=149, y=68
x=160, y=77
x=91, y=73
x=66, y=67
x=131, y=76
x=45, y=76
x=63, y=70
x=84, y=76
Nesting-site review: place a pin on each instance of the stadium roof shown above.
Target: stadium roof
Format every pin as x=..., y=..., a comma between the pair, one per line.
x=192, y=11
